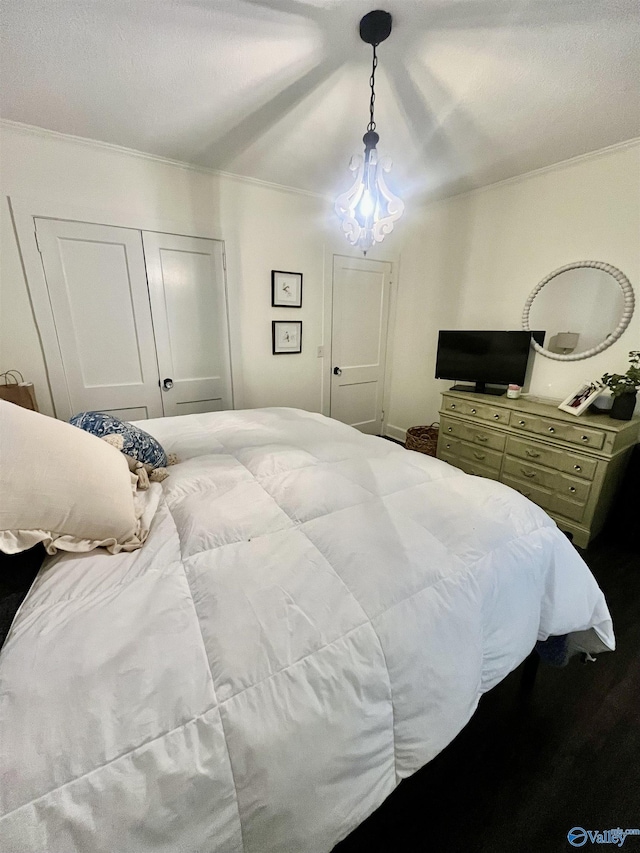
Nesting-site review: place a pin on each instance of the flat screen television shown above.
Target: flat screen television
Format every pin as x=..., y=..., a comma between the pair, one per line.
x=484, y=358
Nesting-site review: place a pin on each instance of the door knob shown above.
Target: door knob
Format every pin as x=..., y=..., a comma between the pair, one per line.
x=167, y=384
x=337, y=371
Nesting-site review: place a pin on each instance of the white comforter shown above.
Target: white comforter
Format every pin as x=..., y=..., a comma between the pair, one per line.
x=314, y=616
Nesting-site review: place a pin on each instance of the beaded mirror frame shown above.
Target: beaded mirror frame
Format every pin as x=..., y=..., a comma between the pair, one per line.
x=627, y=311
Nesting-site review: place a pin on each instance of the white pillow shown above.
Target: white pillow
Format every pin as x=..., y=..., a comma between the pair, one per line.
x=64, y=487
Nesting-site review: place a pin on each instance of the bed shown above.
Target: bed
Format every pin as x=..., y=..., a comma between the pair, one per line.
x=313, y=617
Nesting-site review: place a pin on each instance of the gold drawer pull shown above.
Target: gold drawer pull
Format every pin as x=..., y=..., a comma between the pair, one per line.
x=496, y=417
x=447, y=446
x=577, y=467
x=572, y=489
x=532, y=453
x=552, y=429
x=482, y=437
x=452, y=406
x=449, y=429
x=473, y=411
x=529, y=474
x=585, y=438
x=479, y=455
x=521, y=423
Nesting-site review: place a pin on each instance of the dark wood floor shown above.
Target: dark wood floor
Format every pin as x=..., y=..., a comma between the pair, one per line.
x=525, y=770
x=17, y=572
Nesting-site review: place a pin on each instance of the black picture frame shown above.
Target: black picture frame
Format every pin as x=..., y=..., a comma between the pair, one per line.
x=281, y=279
x=277, y=346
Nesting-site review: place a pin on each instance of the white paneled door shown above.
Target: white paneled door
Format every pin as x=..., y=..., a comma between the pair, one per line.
x=189, y=308
x=140, y=320
x=98, y=293
x=360, y=315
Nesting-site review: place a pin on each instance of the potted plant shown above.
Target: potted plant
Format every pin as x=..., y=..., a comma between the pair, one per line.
x=624, y=387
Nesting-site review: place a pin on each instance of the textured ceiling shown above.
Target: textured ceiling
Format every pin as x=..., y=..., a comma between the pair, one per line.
x=469, y=91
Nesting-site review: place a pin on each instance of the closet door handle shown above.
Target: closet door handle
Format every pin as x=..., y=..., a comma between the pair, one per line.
x=167, y=384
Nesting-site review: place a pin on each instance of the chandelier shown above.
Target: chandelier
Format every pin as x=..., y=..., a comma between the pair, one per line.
x=369, y=209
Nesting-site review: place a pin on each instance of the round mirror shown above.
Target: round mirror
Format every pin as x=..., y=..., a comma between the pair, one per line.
x=582, y=308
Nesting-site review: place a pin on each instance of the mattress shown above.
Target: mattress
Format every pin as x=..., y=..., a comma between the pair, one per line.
x=314, y=616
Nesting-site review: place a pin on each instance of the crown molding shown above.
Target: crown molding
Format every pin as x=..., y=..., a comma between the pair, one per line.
x=43, y=132
x=552, y=167
x=206, y=170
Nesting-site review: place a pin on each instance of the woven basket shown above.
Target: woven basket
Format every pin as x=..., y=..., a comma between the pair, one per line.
x=424, y=439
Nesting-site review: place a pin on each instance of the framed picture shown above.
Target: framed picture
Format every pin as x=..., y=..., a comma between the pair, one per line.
x=286, y=289
x=580, y=400
x=286, y=336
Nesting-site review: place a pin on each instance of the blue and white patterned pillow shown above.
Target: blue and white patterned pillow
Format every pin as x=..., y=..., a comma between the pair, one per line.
x=136, y=442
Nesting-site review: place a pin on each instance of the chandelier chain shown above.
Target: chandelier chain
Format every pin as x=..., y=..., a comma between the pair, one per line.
x=372, y=83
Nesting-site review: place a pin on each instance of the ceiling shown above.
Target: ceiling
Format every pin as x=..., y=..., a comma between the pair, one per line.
x=468, y=92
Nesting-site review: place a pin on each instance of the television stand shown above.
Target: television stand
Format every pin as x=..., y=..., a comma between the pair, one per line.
x=479, y=388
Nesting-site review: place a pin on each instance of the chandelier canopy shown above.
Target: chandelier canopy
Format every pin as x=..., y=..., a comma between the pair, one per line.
x=369, y=209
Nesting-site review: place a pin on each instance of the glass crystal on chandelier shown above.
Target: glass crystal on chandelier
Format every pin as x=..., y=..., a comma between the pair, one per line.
x=369, y=209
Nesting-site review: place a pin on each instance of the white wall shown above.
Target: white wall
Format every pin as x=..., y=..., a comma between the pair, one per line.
x=263, y=227
x=433, y=252
x=468, y=262
x=266, y=229
x=481, y=255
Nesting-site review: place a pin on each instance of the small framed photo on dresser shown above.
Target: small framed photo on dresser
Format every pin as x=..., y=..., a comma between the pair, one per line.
x=579, y=400
x=286, y=289
x=286, y=336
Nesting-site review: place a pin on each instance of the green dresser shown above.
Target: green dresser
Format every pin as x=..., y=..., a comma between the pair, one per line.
x=570, y=466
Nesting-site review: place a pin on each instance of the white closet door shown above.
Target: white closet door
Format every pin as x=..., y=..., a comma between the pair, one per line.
x=189, y=308
x=98, y=291
x=361, y=290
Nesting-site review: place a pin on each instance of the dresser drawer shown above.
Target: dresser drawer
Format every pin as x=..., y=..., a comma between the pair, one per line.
x=558, y=430
x=555, y=481
x=567, y=508
x=547, y=500
x=472, y=453
x=470, y=432
x=540, y=496
x=469, y=467
x=552, y=457
x=484, y=411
